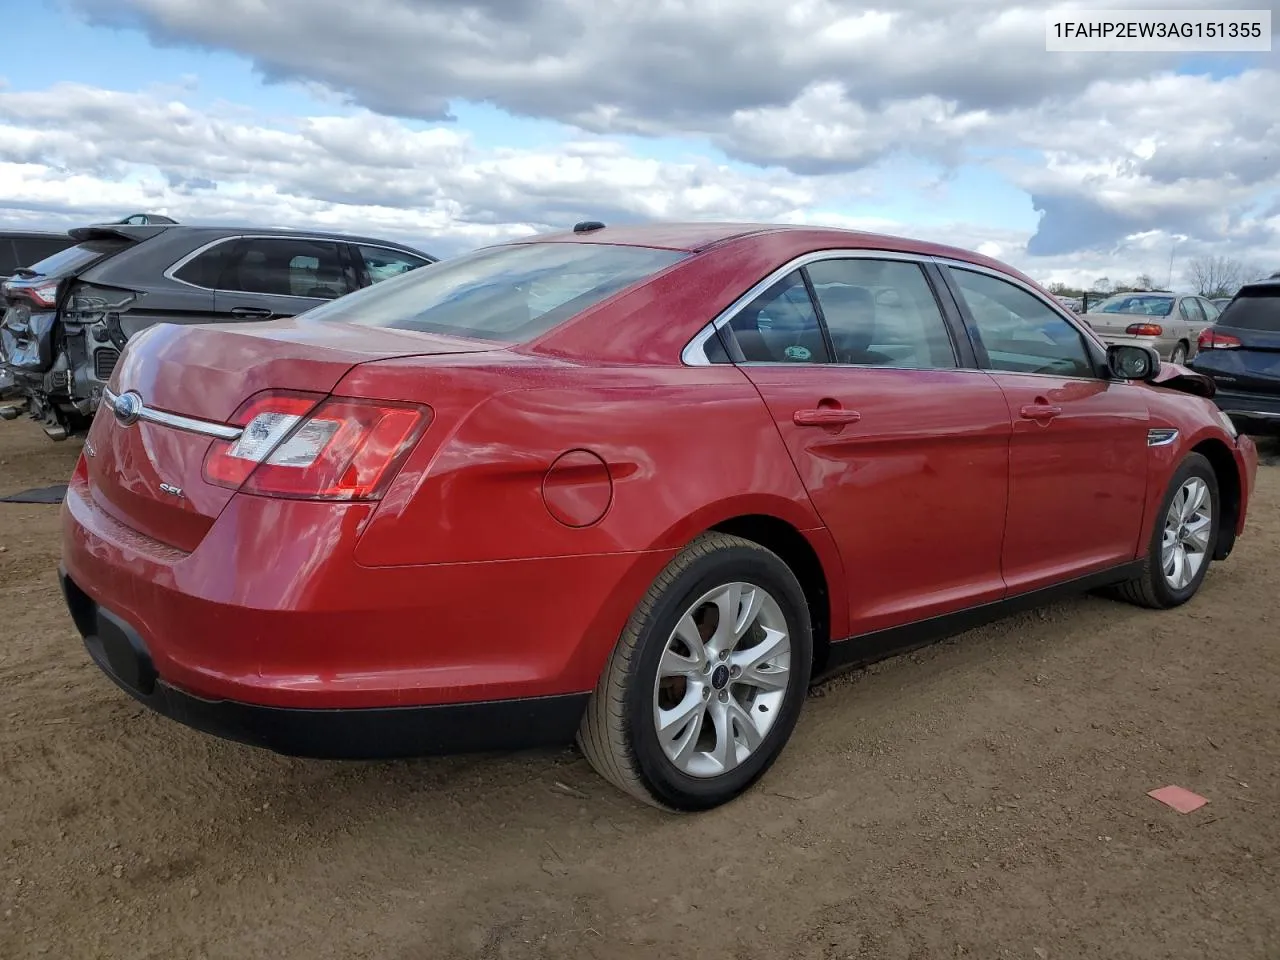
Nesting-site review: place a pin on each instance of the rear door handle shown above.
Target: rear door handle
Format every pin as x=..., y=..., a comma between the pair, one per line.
x=825, y=417
x=253, y=313
x=1040, y=411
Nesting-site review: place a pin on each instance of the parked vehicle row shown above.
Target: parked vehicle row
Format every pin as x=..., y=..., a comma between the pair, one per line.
x=68, y=315
x=1169, y=322
x=635, y=485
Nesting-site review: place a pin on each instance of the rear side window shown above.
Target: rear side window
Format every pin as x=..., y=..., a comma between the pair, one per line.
x=34, y=249
x=509, y=294
x=205, y=269
x=1253, y=310
x=73, y=259
x=781, y=325
x=285, y=268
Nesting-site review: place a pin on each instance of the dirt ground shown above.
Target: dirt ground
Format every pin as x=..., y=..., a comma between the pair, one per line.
x=984, y=798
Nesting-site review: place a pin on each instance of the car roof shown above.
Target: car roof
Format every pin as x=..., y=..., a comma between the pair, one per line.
x=139, y=232
x=1269, y=285
x=697, y=236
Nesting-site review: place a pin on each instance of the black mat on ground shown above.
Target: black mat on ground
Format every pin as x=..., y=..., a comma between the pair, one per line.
x=52, y=494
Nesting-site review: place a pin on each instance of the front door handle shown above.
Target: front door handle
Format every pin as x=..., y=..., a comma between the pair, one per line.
x=825, y=417
x=251, y=313
x=1041, y=412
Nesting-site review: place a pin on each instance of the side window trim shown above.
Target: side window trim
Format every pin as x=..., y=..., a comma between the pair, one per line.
x=1095, y=352
x=694, y=353
x=177, y=265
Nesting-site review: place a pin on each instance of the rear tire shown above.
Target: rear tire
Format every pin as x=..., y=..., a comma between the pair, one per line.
x=1182, y=543
x=705, y=685
x=1179, y=355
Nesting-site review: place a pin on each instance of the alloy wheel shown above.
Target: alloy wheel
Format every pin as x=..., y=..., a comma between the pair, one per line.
x=722, y=679
x=1187, y=527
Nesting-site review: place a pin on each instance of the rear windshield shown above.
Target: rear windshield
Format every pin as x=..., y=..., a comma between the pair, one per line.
x=66, y=262
x=1253, y=310
x=509, y=294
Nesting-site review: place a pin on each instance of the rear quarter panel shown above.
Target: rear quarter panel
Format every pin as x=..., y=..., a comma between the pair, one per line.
x=685, y=448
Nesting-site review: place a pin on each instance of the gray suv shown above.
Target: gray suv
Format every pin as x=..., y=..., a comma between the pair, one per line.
x=68, y=317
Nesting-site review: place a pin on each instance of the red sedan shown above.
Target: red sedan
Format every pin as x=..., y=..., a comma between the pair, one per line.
x=633, y=485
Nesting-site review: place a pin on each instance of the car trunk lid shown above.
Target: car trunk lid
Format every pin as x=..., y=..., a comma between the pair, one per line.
x=148, y=473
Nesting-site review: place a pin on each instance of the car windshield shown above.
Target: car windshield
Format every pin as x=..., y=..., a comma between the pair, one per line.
x=1253, y=310
x=1135, y=305
x=67, y=262
x=509, y=293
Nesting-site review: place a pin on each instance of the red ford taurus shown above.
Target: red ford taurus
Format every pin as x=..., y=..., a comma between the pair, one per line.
x=637, y=486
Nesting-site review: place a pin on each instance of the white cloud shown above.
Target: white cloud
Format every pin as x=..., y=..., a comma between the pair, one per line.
x=820, y=99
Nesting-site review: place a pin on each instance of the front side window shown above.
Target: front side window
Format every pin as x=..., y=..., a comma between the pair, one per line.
x=1021, y=334
x=881, y=313
x=508, y=294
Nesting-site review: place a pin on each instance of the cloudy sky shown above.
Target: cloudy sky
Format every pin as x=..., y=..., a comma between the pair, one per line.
x=454, y=123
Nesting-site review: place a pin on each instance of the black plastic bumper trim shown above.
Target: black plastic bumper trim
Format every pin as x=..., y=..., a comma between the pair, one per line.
x=349, y=734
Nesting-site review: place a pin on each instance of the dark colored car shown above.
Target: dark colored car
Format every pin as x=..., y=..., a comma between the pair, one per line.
x=638, y=485
x=68, y=316
x=1241, y=355
x=17, y=249
x=21, y=248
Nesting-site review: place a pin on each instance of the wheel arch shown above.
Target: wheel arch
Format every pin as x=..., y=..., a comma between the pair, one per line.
x=821, y=586
x=1229, y=492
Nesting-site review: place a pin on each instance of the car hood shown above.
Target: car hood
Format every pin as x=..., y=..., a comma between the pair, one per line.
x=1174, y=376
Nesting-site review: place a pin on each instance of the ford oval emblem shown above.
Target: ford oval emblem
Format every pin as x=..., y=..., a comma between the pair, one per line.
x=127, y=408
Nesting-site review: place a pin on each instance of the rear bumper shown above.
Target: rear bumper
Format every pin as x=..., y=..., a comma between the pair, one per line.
x=272, y=611
x=122, y=654
x=1251, y=412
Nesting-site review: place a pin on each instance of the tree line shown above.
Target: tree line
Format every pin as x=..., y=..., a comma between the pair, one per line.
x=1211, y=277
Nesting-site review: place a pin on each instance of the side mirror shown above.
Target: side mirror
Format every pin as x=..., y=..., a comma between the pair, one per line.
x=1133, y=362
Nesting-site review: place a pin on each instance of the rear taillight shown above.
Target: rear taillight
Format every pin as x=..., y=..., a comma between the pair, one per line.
x=1210, y=339
x=1144, y=329
x=43, y=295
x=304, y=446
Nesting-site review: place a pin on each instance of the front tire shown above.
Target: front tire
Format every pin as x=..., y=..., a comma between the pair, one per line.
x=1182, y=543
x=706, y=683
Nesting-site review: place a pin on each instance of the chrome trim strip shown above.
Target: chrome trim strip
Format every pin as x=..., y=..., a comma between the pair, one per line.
x=1161, y=436
x=1260, y=414
x=204, y=428
x=693, y=354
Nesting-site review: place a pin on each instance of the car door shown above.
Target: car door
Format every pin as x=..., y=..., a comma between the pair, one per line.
x=267, y=277
x=1192, y=320
x=1078, y=454
x=903, y=451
